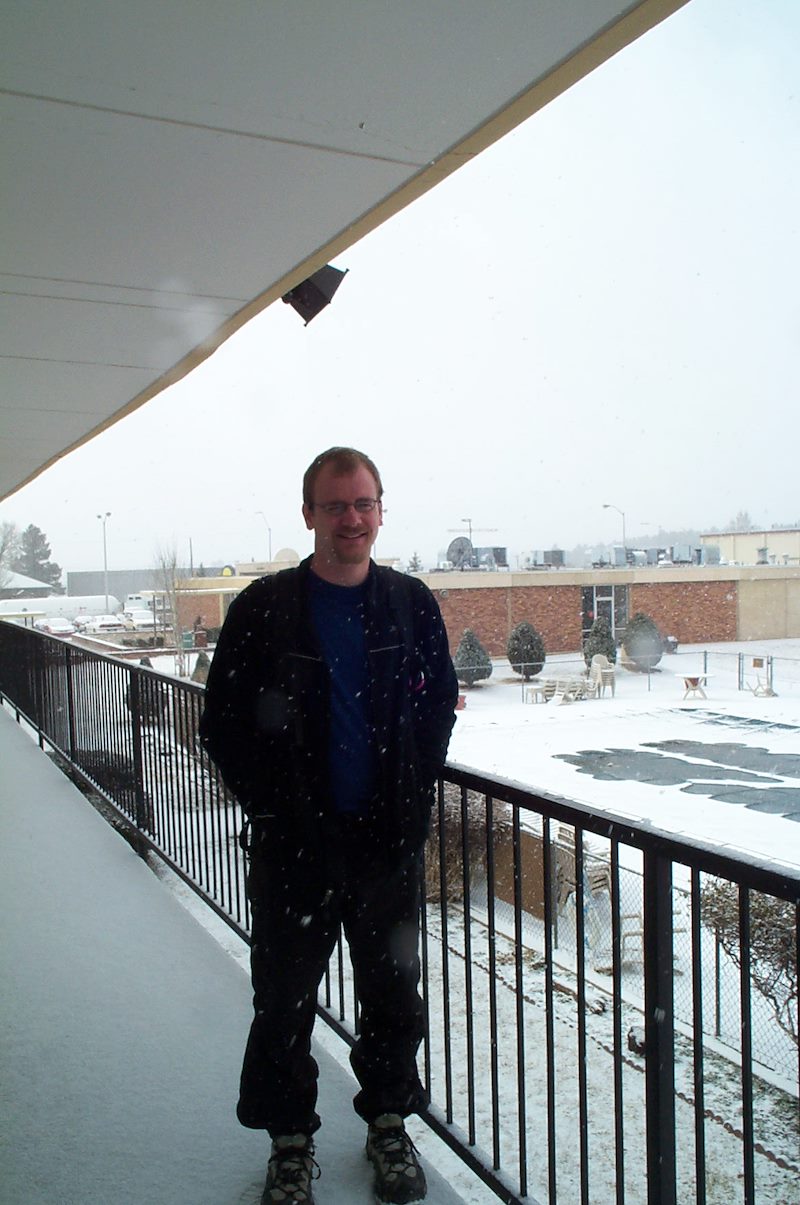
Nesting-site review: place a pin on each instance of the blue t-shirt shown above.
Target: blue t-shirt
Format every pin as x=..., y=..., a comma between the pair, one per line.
x=337, y=614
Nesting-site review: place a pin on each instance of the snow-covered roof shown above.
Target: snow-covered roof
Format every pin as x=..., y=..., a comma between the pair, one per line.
x=18, y=581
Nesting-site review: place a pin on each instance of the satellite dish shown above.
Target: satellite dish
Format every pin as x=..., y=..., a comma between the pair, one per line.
x=459, y=552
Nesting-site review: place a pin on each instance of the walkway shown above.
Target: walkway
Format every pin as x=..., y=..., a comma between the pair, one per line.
x=122, y=1024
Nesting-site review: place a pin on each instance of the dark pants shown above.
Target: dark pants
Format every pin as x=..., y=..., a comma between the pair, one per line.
x=298, y=905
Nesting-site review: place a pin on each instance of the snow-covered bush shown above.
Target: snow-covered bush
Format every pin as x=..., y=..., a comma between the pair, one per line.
x=643, y=644
x=599, y=640
x=201, y=667
x=472, y=662
x=525, y=650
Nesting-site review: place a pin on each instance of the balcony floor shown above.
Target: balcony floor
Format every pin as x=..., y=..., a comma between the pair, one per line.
x=123, y=1023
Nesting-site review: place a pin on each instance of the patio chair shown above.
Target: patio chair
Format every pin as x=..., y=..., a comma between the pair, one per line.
x=631, y=930
x=565, y=691
x=535, y=692
x=596, y=871
x=601, y=672
x=577, y=688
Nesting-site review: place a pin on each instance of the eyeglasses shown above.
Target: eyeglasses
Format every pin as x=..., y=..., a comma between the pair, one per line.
x=362, y=505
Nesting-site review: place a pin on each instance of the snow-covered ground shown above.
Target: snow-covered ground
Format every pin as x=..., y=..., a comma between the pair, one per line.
x=498, y=734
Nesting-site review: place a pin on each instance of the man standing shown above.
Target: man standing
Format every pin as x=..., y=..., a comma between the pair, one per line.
x=329, y=706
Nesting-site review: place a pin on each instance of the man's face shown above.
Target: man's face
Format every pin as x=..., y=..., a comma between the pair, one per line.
x=346, y=539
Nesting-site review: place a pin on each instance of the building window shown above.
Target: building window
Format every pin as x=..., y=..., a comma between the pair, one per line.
x=606, y=602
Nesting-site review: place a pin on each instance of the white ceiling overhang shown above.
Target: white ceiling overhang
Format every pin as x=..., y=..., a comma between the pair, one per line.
x=171, y=167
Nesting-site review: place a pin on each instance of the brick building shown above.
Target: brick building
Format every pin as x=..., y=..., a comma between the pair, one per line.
x=692, y=603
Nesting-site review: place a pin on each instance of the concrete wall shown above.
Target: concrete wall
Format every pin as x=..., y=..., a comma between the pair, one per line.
x=742, y=547
x=769, y=610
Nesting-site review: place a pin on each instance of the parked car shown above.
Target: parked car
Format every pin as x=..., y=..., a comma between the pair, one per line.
x=104, y=623
x=140, y=620
x=55, y=626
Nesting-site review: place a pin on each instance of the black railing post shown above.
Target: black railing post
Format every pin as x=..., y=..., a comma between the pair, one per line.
x=70, y=702
x=38, y=690
x=140, y=804
x=747, y=1047
x=659, y=1031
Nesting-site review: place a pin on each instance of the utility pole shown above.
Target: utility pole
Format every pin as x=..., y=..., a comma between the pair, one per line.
x=269, y=533
x=104, y=519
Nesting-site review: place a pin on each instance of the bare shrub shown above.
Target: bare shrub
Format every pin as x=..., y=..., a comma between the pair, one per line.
x=445, y=876
x=773, y=944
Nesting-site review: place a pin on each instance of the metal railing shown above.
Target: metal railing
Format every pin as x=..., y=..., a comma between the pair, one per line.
x=579, y=1046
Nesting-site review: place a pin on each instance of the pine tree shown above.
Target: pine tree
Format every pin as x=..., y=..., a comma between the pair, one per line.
x=471, y=661
x=599, y=640
x=33, y=559
x=525, y=651
x=643, y=643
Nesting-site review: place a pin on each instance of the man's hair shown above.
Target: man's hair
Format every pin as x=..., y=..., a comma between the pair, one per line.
x=343, y=461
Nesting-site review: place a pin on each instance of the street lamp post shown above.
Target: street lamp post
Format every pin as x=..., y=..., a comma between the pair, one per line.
x=269, y=532
x=610, y=506
x=104, y=519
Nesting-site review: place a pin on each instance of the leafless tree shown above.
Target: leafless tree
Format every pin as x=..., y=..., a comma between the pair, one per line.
x=9, y=546
x=742, y=522
x=167, y=575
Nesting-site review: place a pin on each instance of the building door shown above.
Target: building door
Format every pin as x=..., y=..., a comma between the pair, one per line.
x=607, y=602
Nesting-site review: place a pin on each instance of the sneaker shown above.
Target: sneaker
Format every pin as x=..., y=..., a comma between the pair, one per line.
x=290, y=1170
x=398, y=1175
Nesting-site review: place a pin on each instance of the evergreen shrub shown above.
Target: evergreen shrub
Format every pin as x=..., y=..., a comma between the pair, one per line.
x=643, y=643
x=472, y=662
x=599, y=640
x=525, y=651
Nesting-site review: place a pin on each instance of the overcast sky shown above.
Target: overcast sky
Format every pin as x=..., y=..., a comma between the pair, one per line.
x=603, y=307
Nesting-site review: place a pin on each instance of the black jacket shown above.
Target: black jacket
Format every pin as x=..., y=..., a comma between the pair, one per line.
x=266, y=716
